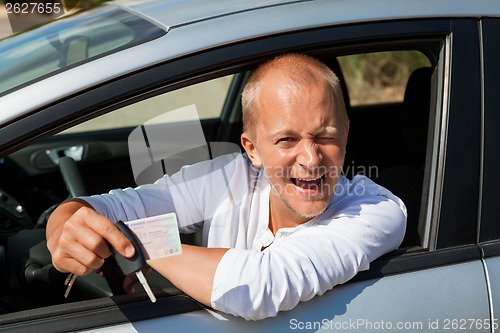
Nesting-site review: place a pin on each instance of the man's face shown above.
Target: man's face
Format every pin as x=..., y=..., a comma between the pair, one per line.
x=300, y=142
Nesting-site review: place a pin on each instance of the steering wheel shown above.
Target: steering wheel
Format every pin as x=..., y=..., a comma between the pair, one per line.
x=76, y=188
x=39, y=265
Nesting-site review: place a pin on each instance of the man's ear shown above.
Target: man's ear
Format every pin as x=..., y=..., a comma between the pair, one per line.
x=248, y=144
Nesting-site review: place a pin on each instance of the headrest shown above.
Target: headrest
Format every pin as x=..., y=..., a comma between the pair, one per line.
x=416, y=108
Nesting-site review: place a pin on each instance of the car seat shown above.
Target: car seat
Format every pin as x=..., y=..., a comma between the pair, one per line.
x=406, y=180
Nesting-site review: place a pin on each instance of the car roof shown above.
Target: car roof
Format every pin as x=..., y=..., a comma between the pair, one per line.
x=176, y=13
x=197, y=25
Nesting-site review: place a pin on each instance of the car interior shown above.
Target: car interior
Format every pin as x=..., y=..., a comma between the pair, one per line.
x=391, y=136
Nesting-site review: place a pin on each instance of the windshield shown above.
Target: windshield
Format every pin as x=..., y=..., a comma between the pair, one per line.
x=68, y=42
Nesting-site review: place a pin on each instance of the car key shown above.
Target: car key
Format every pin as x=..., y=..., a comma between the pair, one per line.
x=134, y=264
x=70, y=280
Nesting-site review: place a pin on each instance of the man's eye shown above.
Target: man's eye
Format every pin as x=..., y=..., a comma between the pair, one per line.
x=286, y=141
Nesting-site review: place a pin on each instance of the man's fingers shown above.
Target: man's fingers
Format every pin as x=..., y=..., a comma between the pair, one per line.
x=79, y=241
x=105, y=229
x=73, y=255
x=73, y=266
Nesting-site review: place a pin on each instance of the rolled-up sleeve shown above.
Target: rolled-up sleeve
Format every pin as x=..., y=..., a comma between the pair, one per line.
x=310, y=261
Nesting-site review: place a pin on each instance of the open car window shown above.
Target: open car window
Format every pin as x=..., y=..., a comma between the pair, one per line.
x=388, y=96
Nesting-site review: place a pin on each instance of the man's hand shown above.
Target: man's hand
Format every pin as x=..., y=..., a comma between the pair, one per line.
x=77, y=235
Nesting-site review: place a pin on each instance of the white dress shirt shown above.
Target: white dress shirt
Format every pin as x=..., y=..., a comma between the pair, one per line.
x=263, y=273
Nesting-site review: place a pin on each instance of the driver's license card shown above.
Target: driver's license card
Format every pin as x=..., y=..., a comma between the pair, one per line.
x=158, y=235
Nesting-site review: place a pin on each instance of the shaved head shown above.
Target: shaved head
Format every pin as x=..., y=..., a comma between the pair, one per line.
x=300, y=71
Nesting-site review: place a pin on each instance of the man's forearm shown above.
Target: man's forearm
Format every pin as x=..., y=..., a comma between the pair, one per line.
x=192, y=271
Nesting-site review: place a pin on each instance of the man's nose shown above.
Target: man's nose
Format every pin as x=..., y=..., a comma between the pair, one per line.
x=308, y=155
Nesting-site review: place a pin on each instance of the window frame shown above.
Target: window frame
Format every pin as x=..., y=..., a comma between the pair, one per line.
x=490, y=210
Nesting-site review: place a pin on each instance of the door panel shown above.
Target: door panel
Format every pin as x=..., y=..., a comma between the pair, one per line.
x=424, y=300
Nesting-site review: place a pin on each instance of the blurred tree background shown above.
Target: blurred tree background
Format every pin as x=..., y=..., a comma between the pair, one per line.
x=381, y=76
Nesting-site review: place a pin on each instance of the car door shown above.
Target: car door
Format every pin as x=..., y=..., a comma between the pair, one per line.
x=438, y=283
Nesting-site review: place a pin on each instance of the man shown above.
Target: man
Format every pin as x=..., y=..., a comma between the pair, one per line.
x=285, y=227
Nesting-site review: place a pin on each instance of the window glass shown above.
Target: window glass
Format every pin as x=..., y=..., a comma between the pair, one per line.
x=68, y=41
x=379, y=77
x=208, y=98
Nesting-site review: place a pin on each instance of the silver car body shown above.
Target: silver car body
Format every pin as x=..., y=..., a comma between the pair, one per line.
x=424, y=300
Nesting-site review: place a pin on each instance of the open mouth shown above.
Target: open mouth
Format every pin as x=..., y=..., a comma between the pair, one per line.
x=309, y=183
